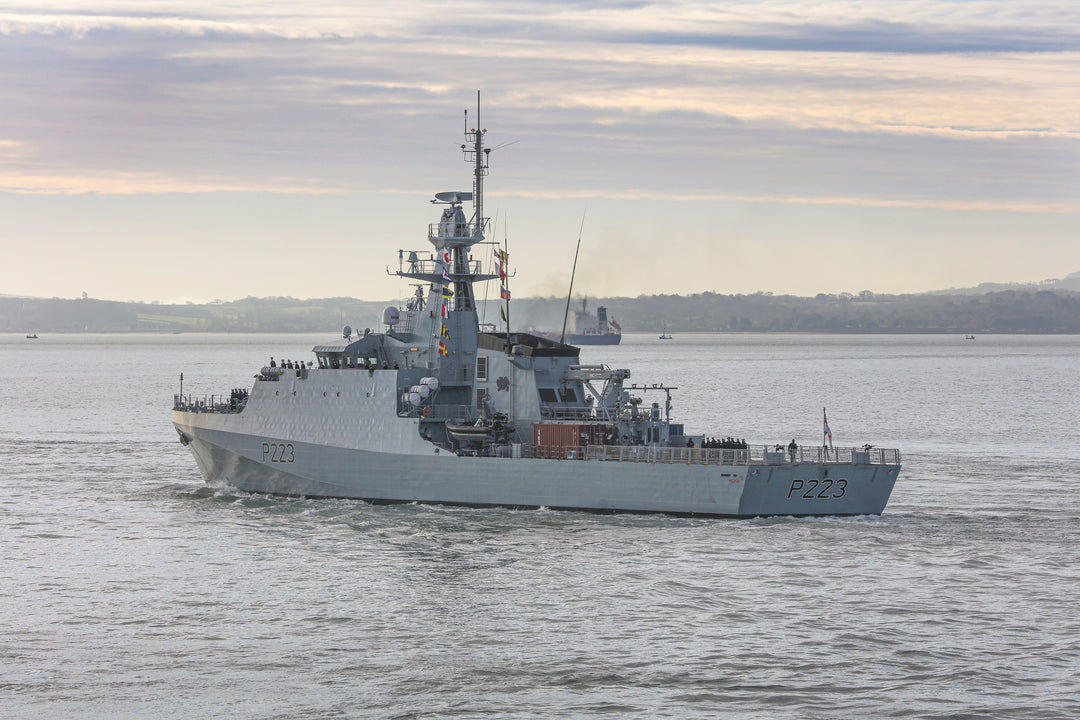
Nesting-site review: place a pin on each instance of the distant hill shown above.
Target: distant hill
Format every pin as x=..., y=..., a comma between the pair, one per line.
x=1070, y=282
x=1021, y=309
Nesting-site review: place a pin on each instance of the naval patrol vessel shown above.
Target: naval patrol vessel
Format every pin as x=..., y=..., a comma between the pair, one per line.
x=434, y=408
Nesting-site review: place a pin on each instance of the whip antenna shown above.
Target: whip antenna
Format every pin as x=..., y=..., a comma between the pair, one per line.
x=566, y=313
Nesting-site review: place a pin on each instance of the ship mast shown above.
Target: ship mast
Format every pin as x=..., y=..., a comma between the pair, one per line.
x=451, y=317
x=478, y=155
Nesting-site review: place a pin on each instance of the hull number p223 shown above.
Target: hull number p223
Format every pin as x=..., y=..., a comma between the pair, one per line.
x=278, y=452
x=814, y=489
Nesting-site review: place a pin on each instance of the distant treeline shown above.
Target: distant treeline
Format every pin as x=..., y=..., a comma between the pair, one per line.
x=272, y=314
x=1009, y=311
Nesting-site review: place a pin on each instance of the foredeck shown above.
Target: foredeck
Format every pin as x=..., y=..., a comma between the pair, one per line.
x=209, y=403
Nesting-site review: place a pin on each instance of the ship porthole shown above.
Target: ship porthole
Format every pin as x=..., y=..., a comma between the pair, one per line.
x=339, y=394
x=324, y=394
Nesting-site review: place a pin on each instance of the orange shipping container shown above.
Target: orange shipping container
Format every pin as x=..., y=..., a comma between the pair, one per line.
x=555, y=439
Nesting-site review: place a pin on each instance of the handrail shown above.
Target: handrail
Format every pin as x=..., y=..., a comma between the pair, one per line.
x=550, y=411
x=466, y=413
x=435, y=266
x=754, y=455
x=209, y=403
x=455, y=231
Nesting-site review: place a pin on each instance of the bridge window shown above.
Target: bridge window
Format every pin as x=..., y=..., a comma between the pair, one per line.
x=548, y=395
x=481, y=367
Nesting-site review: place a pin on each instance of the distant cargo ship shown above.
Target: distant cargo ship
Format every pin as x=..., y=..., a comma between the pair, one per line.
x=589, y=329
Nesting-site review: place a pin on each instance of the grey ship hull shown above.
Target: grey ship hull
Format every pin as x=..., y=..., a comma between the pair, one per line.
x=597, y=486
x=289, y=444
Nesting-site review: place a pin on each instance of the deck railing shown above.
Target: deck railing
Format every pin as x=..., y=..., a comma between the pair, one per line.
x=466, y=413
x=754, y=455
x=209, y=403
x=556, y=412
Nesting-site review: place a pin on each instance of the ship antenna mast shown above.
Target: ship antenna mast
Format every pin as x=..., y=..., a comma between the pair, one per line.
x=566, y=313
x=479, y=155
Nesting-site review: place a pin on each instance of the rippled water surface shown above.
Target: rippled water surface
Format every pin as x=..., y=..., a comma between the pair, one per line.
x=129, y=590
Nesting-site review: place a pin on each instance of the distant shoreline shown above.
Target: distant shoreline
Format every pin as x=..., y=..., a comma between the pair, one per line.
x=1013, y=312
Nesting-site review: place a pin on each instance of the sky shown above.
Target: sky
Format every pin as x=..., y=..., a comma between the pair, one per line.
x=190, y=151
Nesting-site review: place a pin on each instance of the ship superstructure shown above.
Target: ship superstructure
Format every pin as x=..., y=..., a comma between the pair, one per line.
x=432, y=408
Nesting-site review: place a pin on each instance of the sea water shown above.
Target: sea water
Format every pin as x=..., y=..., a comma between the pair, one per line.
x=128, y=589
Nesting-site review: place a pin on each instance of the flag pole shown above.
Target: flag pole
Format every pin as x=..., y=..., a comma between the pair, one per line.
x=506, y=261
x=826, y=433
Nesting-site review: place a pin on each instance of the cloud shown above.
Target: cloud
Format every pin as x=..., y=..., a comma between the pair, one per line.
x=119, y=183
x=1033, y=206
x=928, y=108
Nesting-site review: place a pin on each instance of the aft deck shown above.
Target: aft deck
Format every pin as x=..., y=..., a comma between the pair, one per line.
x=752, y=455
